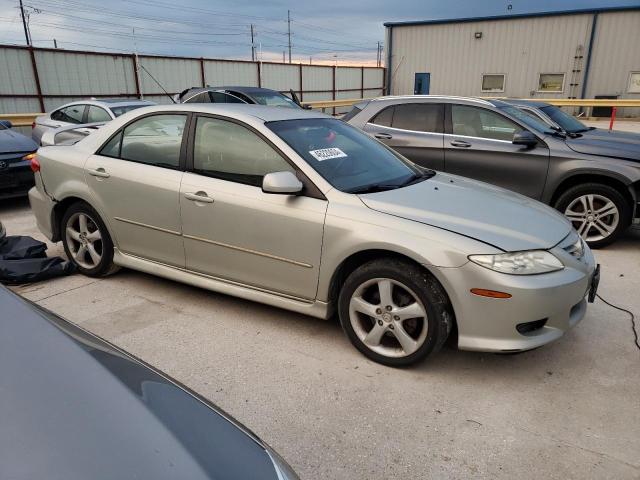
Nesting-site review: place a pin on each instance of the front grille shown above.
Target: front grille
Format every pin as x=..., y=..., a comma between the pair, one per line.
x=528, y=327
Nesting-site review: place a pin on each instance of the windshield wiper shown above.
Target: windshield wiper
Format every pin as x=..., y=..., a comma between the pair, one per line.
x=381, y=187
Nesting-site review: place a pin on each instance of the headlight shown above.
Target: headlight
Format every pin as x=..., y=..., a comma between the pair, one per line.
x=519, y=263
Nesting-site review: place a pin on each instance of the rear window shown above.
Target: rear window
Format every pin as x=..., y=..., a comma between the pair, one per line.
x=351, y=113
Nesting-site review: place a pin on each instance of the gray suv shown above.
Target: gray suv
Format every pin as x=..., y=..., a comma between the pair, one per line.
x=596, y=185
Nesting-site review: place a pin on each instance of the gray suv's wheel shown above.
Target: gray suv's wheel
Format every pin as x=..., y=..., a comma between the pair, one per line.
x=598, y=212
x=86, y=241
x=394, y=312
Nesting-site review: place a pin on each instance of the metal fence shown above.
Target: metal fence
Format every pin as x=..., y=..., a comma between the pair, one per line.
x=41, y=79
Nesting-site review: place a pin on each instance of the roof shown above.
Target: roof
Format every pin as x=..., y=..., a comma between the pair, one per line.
x=109, y=102
x=510, y=17
x=528, y=103
x=240, y=111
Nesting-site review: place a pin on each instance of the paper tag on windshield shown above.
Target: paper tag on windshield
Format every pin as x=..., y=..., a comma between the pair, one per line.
x=327, y=154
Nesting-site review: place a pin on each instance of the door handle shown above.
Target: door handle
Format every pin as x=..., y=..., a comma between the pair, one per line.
x=460, y=144
x=198, y=197
x=98, y=172
x=383, y=136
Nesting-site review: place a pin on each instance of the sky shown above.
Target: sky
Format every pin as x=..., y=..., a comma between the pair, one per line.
x=328, y=31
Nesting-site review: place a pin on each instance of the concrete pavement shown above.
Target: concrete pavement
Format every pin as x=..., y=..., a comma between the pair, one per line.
x=567, y=410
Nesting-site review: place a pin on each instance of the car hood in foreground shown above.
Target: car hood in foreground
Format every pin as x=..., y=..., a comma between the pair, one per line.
x=478, y=210
x=14, y=142
x=74, y=406
x=607, y=143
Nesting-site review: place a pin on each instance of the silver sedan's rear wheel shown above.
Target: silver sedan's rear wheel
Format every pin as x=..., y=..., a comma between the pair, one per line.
x=86, y=241
x=394, y=312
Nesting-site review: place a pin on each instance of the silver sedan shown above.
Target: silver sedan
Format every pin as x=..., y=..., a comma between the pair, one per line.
x=302, y=211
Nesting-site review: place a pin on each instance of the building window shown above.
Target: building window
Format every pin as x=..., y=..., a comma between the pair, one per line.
x=551, y=82
x=493, y=82
x=634, y=83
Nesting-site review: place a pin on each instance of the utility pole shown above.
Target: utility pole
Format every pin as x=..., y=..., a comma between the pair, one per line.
x=24, y=24
x=55, y=43
x=283, y=60
x=309, y=59
x=378, y=55
x=288, y=30
x=253, y=46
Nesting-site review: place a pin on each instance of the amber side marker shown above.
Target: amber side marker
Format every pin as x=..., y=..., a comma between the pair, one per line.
x=490, y=293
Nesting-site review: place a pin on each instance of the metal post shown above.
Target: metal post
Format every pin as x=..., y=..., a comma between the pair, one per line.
x=24, y=25
x=36, y=77
x=300, y=80
x=134, y=63
x=202, y=76
x=334, y=87
x=361, y=82
x=613, y=117
x=289, y=32
x=55, y=43
x=253, y=47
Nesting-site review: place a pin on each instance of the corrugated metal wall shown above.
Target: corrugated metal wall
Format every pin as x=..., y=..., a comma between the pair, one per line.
x=65, y=76
x=522, y=49
x=615, y=54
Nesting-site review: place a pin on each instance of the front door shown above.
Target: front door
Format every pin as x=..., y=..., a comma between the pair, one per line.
x=421, y=84
x=478, y=144
x=135, y=183
x=235, y=231
x=413, y=130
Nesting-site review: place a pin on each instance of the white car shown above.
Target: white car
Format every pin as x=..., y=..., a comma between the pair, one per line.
x=85, y=111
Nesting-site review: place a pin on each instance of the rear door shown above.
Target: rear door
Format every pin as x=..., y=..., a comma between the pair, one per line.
x=135, y=183
x=414, y=130
x=235, y=231
x=478, y=144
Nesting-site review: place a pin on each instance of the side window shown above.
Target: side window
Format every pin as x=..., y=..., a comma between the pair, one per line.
x=221, y=97
x=384, y=117
x=420, y=117
x=71, y=114
x=200, y=98
x=232, y=152
x=112, y=148
x=483, y=123
x=154, y=140
x=97, y=114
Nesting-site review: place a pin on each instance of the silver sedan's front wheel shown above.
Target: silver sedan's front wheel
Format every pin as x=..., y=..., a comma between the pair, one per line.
x=388, y=317
x=84, y=240
x=394, y=311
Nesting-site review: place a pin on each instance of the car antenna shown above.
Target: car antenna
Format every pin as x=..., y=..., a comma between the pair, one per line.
x=157, y=83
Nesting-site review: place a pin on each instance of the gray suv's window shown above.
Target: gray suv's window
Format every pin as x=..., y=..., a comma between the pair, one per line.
x=417, y=117
x=200, y=98
x=483, y=123
x=153, y=140
x=232, y=152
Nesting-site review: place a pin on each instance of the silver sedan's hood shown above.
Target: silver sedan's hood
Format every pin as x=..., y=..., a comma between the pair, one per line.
x=487, y=213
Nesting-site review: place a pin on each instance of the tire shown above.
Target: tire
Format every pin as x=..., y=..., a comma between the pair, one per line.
x=376, y=327
x=599, y=212
x=90, y=234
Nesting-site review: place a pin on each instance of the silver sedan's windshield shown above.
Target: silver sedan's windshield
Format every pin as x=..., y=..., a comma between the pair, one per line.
x=347, y=158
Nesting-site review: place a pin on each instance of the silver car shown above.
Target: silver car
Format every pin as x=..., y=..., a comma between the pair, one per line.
x=85, y=111
x=299, y=210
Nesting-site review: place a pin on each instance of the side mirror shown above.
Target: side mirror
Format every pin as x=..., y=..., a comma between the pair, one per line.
x=281, y=182
x=525, y=138
x=6, y=124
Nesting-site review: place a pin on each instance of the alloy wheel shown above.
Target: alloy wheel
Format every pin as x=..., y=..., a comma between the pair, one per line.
x=594, y=216
x=388, y=317
x=84, y=240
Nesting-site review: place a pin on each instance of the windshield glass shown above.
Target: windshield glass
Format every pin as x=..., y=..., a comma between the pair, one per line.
x=117, y=111
x=527, y=119
x=273, y=99
x=347, y=158
x=567, y=122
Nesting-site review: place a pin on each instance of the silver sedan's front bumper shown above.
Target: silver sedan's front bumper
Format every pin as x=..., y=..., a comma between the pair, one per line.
x=491, y=324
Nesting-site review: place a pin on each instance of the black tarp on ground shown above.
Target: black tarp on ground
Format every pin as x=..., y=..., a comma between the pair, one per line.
x=24, y=260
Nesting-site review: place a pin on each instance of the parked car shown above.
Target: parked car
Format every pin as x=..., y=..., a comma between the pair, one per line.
x=76, y=406
x=252, y=95
x=16, y=177
x=85, y=111
x=302, y=211
x=594, y=182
